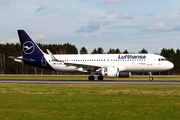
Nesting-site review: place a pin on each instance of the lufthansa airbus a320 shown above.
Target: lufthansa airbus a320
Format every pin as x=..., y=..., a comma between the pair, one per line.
x=108, y=65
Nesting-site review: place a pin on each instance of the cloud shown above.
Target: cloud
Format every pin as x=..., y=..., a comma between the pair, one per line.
x=125, y=17
x=153, y=40
x=108, y=36
x=103, y=17
x=40, y=9
x=16, y=40
x=113, y=1
x=3, y=3
x=162, y=27
x=110, y=12
x=10, y=40
x=42, y=37
x=106, y=23
x=150, y=15
x=95, y=34
x=87, y=47
x=125, y=27
x=93, y=26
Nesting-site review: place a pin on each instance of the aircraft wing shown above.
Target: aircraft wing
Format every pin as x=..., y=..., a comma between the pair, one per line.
x=93, y=67
x=85, y=67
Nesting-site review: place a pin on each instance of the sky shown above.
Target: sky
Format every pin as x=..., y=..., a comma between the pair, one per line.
x=124, y=24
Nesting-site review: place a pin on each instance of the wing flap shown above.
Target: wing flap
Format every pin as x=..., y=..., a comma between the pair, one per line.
x=84, y=66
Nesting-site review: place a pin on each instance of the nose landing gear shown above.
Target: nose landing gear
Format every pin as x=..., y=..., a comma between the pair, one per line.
x=150, y=76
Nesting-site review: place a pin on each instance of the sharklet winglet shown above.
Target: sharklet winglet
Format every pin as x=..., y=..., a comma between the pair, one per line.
x=52, y=56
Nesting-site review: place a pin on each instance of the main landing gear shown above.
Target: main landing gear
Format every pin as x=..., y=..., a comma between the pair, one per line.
x=100, y=77
x=92, y=77
x=150, y=76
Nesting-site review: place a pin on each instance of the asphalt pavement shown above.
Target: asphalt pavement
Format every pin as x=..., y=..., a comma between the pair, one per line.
x=129, y=82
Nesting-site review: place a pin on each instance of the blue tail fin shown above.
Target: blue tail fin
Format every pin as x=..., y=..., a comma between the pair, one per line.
x=32, y=54
x=29, y=47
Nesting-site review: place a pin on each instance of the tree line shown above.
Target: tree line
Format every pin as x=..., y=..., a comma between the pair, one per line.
x=9, y=66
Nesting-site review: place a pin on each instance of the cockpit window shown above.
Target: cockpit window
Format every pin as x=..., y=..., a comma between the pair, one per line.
x=162, y=59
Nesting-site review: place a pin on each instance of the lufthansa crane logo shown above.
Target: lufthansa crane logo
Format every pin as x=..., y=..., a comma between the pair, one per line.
x=28, y=47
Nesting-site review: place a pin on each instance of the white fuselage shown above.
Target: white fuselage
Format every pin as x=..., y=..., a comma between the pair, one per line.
x=124, y=62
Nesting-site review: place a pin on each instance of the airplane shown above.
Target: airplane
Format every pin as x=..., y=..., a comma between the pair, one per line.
x=107, y=65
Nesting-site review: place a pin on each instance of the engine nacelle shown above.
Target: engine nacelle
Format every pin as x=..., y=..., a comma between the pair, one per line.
x=110, y=72
x=124, y=74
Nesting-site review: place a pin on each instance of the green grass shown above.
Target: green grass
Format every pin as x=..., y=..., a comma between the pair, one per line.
x=83, y=77
x=80, y=102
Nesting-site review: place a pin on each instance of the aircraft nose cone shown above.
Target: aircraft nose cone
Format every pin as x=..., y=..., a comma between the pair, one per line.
x=170, y=65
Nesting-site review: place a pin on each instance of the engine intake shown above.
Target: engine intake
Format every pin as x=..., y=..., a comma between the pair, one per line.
x=110, y=72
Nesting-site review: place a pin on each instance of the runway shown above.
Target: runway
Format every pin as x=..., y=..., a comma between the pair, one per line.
x=128, y=82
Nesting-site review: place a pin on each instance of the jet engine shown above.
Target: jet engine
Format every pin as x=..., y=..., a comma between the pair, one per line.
x=124, y=74
x=110, y=72
x=114, y=72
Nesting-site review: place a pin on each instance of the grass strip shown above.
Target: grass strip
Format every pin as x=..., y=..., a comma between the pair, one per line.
x=71, y=101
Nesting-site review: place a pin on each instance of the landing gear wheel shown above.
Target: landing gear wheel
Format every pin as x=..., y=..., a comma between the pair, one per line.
x=100, y=77
x=91, y=77
x=151, y=78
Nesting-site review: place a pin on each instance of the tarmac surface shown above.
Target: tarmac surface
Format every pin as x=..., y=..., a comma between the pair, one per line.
x=128, y=82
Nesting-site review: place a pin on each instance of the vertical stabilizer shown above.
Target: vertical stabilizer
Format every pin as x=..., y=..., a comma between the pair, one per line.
x=32, y=54
x=29, y=47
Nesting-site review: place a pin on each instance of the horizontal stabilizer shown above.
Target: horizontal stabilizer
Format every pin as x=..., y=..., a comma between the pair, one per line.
x=18, y=58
